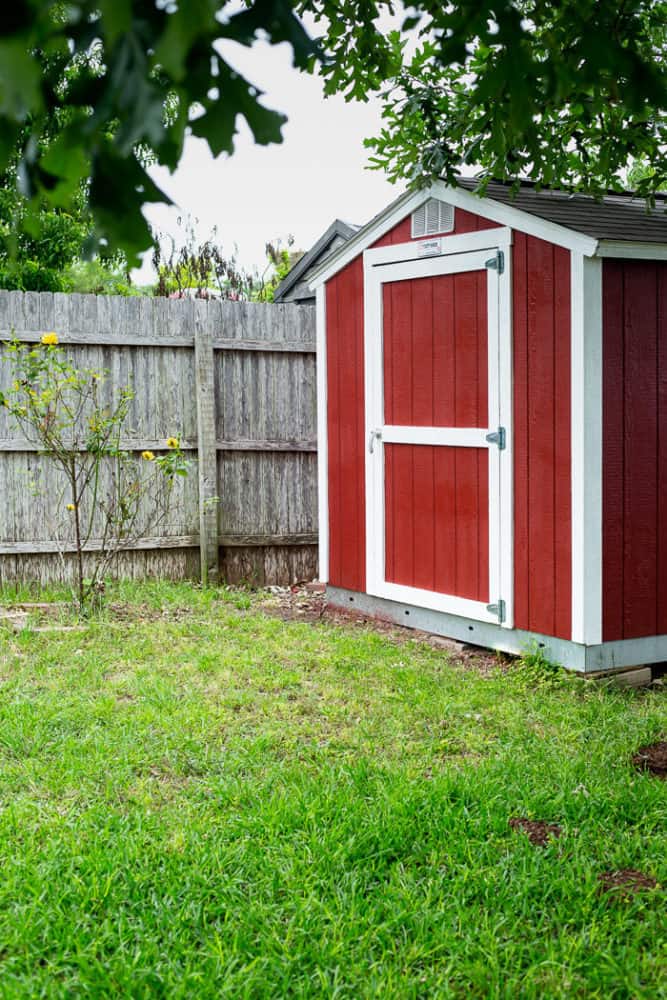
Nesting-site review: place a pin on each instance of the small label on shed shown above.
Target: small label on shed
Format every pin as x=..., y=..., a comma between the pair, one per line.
x=430, y=248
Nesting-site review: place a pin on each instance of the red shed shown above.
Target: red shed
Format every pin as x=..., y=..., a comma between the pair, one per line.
x=492, y=387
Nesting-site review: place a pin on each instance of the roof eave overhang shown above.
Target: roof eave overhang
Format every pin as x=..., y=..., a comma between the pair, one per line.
x=632, y=250
x=495, y=211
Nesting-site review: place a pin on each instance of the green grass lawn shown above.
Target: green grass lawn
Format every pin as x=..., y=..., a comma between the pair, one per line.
x=200, y=800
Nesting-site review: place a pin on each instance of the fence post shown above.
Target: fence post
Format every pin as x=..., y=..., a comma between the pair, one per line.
x=206, y=450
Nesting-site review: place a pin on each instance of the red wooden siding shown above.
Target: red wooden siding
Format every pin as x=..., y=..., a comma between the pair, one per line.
x=437, y=519
x=542, y=479
x=431, y=377
x=634, y=533
x=435, y=374
x=345, y=427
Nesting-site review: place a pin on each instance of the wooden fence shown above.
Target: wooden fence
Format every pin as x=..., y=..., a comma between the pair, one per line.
x=234, y=381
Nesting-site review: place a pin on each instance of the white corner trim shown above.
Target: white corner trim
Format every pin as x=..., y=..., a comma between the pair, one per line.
x=322, y=439
x=586, y=445
x=495, y=211
x=632, y=251
x=506, y=420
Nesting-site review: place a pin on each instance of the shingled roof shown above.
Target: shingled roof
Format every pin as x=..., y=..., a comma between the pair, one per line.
x=616, y=217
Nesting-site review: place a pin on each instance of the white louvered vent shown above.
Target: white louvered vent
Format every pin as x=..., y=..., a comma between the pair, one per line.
x=432, y=217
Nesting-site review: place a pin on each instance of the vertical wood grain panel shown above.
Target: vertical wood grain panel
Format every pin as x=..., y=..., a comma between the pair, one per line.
x=613, y=465
x=562, y=446
x=444, y=355
x=634, y=449
x=435, y=351
x=345, y=374
x=640, y=444
x=422, y=351
x=542, y=453
x=425, y=530
x=445, y=568
x=613, y=449
x=661, y=550
x=333, y=344
x=541, y=431
x=436, y=530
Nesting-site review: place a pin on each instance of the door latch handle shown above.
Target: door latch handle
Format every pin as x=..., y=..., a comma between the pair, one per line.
x=371, y=439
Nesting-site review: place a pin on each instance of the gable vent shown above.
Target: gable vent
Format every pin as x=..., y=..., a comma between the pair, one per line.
x=434, y=216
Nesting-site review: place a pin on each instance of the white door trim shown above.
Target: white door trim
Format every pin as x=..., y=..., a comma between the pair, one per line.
x=459, y=437
x=501, y=556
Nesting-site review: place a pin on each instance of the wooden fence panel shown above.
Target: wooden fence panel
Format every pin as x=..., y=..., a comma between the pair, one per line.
x=258, y=434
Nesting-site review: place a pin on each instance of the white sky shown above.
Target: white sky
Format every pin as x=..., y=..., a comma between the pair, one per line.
x=259, y=193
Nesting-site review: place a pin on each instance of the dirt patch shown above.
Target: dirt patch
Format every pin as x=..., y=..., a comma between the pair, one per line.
x=122, y=612
x=537, y=831
x=652, y=758
x=308, y=604
x=626, y=882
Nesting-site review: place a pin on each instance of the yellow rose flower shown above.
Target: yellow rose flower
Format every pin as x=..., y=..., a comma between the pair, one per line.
x=172, y=442
x=147, y=456
x=50, y=339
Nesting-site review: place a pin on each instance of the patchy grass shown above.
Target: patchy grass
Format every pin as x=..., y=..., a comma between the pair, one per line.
x=199, y=800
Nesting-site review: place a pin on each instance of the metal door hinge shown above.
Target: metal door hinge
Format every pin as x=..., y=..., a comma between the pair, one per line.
x=498, y=610
x=497, y=437
x=497, y=262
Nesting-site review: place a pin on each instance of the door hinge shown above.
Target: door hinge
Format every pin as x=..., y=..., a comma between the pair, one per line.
x=498, y=610
x=497, y=437
x=497, y=262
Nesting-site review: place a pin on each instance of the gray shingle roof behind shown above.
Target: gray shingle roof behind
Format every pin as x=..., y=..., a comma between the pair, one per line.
x=616, y=217
x=337, y=231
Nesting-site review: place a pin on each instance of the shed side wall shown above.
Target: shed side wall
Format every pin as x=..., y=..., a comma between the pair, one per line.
x=634, y=479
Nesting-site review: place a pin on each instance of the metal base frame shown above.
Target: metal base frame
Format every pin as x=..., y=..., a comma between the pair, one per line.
x=605, y=657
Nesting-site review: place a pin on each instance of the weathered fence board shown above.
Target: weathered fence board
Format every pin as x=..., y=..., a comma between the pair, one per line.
x=234, y=381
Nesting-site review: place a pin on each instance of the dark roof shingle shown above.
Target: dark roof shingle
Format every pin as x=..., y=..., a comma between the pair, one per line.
x=616, y=217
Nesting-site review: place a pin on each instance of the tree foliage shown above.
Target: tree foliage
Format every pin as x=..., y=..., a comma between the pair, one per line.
x=566, y=93
x=147, y=73
x=569, y=94
x=37, y=258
